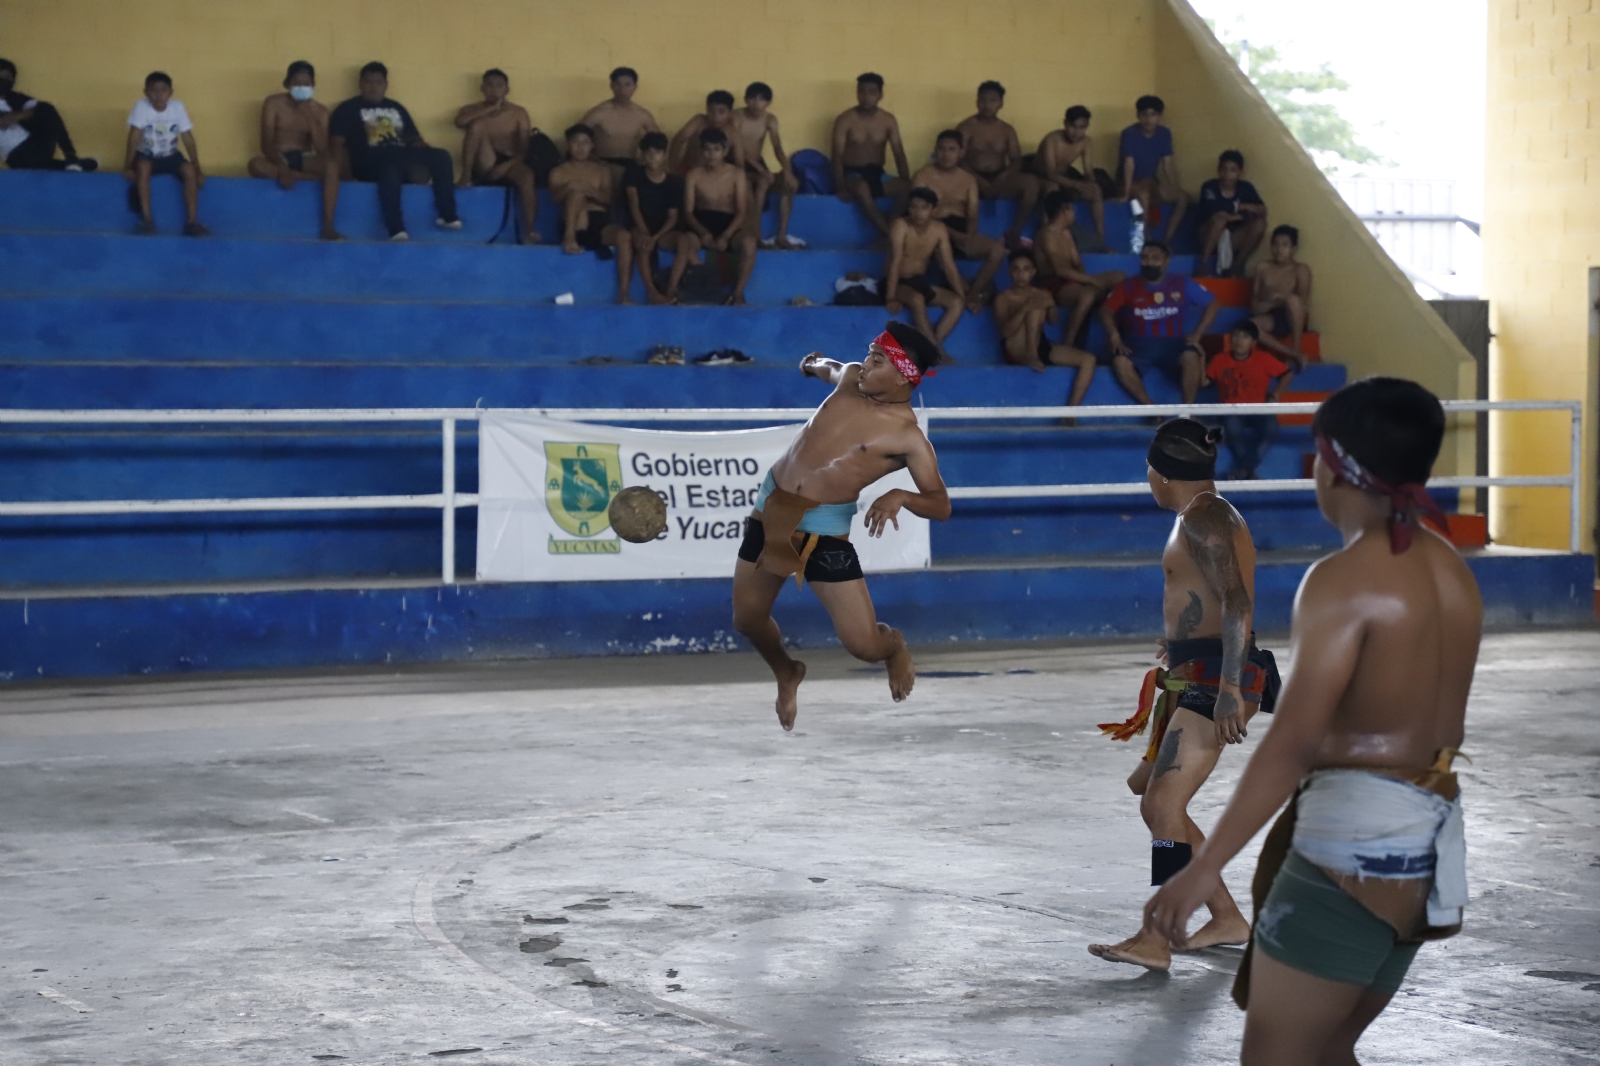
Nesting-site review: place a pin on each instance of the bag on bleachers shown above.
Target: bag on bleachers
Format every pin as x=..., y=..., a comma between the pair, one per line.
x=702, y=283
x=857, y=290
x=541, y=157
x=814, y=171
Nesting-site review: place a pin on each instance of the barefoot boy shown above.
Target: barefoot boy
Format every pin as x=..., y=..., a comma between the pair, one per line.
x=684, y=154
x=1231, y=205
x=860, y=137
x=753, y=124
x=294, y=141
x=1055, y=250
x=496, y=140
x=583, y=187
x=1214, y=680
x=958, y=194
x=1281, y=302
x=1149, y=169
x=156, y=126
x=1065, y=161
x=715, y=199
x=655, y=202
x=863, y=431
x=1369, y=859
x=994, y=155
x=915, y=242
x=618, y=123
x=1020, y=313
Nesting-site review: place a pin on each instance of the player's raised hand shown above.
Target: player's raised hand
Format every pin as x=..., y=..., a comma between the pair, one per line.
x=884, y=511
x=810, y=362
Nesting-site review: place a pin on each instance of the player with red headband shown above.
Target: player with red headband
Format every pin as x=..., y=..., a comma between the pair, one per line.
x=801, y=523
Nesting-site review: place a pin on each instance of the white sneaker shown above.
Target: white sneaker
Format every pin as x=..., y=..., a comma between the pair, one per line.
x=401, y=236
x=452, y=224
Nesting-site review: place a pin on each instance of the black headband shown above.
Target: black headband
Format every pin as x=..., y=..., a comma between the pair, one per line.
x=1176, y=469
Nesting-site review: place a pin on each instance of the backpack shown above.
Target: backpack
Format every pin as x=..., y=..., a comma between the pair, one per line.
x=542, y=156
x=813, y=170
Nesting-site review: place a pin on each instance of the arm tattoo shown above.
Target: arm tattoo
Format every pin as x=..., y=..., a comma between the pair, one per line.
x=1167, y=757
x=1209, y=532
x=1190, y=617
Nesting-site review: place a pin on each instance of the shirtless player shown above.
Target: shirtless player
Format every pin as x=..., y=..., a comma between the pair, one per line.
x=294, y=141
x=863, y=431
x=618, y=123
x=1214, y=681
x=715, y=200
x=1065, y=161
x=683, y=155
x=584, y=187
x=496, y=141
x=860, y=136
x=958, y=210
x=1020, y=314
x=753, y=124
x=1385, y=635
x=1055, y=251
x=1281, y=301
x=994, y=155
x=915, y=242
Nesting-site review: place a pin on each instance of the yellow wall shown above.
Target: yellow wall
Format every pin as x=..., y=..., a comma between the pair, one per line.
x=1541, y=235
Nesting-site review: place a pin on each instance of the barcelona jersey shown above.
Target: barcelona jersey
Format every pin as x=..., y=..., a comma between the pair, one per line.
x=1155, y=309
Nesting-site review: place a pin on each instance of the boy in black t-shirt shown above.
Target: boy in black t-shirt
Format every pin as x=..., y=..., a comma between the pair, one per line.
x=382, y=143
x=654, y=199
x=1230, y=205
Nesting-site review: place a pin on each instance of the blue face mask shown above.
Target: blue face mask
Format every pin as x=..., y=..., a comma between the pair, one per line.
x=301, y=92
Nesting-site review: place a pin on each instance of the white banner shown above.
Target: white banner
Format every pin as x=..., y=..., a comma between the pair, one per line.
x=544, y=487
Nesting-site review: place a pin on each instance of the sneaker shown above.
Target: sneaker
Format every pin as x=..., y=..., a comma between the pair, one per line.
x=196, y=229
x=723, y=357
x=665, y=355
x=82, y=165
x=401, y=236
x=454, y=223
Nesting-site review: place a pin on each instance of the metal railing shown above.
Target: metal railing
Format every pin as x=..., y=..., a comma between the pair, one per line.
x=448, y=500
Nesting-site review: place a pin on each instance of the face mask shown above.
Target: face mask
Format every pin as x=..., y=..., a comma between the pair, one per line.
x=301, y=92
x=1150, y=273
x=6, y=83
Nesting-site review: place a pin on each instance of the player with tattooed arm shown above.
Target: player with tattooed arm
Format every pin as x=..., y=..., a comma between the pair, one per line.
x=1212, y=681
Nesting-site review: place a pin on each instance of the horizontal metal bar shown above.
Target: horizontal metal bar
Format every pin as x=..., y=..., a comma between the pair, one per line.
x=1231, y=488
x=271, y=503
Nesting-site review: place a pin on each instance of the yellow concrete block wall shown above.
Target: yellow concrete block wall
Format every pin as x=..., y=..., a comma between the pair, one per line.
x=1541, y=237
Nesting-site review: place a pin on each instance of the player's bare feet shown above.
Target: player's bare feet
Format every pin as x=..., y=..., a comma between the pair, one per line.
x=788, y=693
x=1233, y=930
x=571, y=247
x=902, y=671
x=1151, y=952
x=660, y=298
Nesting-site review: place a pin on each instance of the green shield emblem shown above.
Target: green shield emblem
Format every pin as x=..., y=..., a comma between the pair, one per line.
x=580, y=480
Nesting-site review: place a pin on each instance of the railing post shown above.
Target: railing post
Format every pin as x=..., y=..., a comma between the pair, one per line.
x=448, y=570
x=1575, y=491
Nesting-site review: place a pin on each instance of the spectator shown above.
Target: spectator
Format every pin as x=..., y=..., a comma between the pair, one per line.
x=1244, y=373
x=294, y=141
x=654, y=202
x=684, y=153
x=618, y=123
x=495, y=147
x=1063, y=275
x=716, y=202
x=1149, y=169
x=156, y=126
x=585, y=188
x=31, y=131
x=994, y=154
x=1144, y=319
x=922, y=269
x=1281, y=301
x=860, y=137
x=382, y=144
x=752, y=125
x=1020, y=314
x=957, y=188
x=1065, y=161
x=1231, y=207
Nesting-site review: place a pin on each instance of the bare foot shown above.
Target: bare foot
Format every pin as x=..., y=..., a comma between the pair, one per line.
x=464, y=183
x=736, y=300
x=623, y=301
x=788, y=690
x=571, y=248
x=659, y=298
x=1233, y=930
x=902, y=671
x=531, y=237
x=1138, y=950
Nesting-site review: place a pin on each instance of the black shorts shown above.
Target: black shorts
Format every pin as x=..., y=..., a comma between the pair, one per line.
x=715, y=221
x=1281, y=325
x=834, y=559
x=163, y=164
x=872, y=174
x=296, y=159
x=590, y=236
x=1203, y=701
x=955, y=224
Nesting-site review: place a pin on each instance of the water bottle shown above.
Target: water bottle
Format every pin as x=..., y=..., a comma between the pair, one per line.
x=1136, y=231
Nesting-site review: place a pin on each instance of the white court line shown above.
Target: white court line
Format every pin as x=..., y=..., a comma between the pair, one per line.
x=66, y=1000
x=308, y=816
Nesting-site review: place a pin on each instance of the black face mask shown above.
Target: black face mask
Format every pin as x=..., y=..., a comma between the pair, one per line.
x=1151, y=273
x=6, y=82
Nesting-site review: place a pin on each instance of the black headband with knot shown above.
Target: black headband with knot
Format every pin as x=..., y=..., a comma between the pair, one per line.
x=1203, y=468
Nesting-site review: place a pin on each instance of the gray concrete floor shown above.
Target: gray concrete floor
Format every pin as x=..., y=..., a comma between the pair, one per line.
x=626, y=861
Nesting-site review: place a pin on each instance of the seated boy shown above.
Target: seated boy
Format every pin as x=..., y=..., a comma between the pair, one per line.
x=1231, y=205
x=957, y=189
x=684, y=154
x=654, y=198
x=1281, y=301
x=618, y=123
x=156, y=126
x=1146, y=324
x=1020, y=314
x=1149, y=170
x=860, y=137
x=584, y=187
x=915, y=242
x=31, y=131
x=715, y=201
x=294, y=141
x=1065, y=161
x=753, y=124
x=1244, y=373
x=994, y=154
x=495, y=147
x=1062, y=272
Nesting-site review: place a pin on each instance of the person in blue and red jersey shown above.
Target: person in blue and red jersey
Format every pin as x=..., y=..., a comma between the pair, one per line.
x=1145, y=317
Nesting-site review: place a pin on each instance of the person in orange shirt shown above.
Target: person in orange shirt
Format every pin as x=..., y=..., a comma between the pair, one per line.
x=1244, y=373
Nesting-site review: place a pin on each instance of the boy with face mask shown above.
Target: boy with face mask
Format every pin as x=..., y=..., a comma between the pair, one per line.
x=294, y=140
x=31, y=130
x=1144, y=317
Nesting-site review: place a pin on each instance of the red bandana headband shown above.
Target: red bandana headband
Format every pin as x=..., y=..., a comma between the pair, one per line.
x=902, y=362
x=1404, y=500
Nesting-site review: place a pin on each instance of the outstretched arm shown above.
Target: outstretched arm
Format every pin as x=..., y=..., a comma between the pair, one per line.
x=931, y=500
x=1210, y=534
x=817, y=365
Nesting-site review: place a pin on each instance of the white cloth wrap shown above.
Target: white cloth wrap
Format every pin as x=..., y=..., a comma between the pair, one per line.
x=1367, y=825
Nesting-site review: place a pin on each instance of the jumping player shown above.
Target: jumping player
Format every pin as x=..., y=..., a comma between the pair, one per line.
x=801, y=522
x=1373, y=859
x=1214, y=680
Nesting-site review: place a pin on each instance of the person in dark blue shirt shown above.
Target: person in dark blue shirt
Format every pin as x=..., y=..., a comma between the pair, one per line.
x=1230, y=206
x=1149, y=170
